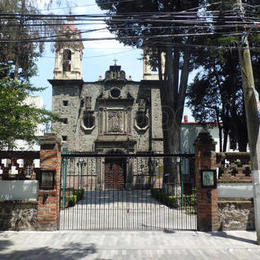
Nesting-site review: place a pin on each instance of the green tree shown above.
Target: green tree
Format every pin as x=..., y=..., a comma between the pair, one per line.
x=216, y=95
x=20, y=22
x=18, y=120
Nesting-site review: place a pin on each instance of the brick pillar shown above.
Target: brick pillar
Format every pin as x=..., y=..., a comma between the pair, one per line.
x=207, y=198
x=49, y=200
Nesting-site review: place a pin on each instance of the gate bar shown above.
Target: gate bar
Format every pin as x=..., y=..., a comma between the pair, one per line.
x=146, y=155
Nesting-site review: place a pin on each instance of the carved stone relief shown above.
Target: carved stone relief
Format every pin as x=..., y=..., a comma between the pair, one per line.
x=115, y=121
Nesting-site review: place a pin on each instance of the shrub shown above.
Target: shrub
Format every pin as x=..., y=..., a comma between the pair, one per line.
x=174, y=201
x=164, y=198
x=71, y=200
x=79, y=193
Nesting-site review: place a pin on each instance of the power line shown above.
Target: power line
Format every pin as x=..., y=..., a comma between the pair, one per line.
x=188, y=21
x=121, y=37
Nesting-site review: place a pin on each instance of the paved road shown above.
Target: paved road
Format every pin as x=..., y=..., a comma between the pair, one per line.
x=124, y=210
x=134, y=245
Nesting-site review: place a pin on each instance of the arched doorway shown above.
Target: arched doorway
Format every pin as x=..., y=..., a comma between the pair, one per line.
x=115, y=171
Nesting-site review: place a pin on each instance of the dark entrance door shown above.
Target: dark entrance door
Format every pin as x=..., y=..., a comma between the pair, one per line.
x=115, y=173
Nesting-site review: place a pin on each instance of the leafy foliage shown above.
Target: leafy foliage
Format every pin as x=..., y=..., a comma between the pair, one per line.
x=18, y=120
x=147, y=24
x=216, y=95
x=20, y=57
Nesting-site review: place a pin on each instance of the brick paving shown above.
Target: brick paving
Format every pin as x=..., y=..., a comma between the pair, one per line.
x=124, y=210
x=239, y=245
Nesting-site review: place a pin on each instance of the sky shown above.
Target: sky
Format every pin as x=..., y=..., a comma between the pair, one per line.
x=97, y=57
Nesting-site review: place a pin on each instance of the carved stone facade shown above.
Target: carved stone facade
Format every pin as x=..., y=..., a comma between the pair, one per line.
x=114, y=114
x=109, y=114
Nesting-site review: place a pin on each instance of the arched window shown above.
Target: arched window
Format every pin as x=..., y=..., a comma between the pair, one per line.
x=66, y=60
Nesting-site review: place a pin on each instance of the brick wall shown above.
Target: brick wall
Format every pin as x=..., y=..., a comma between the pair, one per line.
x=207, y=198
x=49, y=200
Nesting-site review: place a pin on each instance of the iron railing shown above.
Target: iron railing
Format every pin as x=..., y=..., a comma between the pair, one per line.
x=127, y=192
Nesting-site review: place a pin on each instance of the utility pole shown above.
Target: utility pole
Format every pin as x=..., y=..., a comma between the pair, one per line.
x=252, y=107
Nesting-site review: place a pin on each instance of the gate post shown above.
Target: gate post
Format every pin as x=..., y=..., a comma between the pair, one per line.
x=49, y=197
x=207, y=197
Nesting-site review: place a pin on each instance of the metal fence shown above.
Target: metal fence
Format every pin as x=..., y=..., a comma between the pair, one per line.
x=127, y=192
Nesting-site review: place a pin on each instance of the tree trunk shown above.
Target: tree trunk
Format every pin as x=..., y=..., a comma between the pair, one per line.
x=183, y=86
x=219, y=130
x=225, y=141
x=173, y=98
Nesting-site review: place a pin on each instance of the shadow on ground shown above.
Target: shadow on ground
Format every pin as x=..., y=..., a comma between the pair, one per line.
x=237, y=238
x=70, y=251
x=4, y=244
x=118, y=196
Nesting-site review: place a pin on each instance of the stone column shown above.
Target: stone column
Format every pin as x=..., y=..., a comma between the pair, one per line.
x=207, y=198
x=49, y=200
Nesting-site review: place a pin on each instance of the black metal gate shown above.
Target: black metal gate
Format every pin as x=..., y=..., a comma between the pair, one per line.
x=127, y=192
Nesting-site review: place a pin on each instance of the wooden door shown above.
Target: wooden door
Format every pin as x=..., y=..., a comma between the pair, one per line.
x=114, y=174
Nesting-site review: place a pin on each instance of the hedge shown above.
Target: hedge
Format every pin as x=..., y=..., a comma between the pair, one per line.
x=174, y=201
x=79, y=193
x=71, y=200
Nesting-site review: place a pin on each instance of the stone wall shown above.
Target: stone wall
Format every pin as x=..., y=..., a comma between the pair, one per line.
x=69, y=102
x=18, y=215
x=235, y=206
x=236, y=214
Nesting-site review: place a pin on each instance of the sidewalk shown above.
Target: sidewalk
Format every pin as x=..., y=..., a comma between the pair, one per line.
x=129, y=245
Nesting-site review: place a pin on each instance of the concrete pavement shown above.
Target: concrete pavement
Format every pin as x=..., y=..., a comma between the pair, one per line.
x=124, y=210
x=129, y=245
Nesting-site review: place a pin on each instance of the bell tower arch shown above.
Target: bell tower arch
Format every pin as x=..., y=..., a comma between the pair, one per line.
x=148, y=72
x=69, y=52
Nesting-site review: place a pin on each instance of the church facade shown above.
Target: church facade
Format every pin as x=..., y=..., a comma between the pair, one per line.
x=113, y=115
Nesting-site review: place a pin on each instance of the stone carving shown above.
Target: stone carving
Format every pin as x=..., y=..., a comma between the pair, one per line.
x=236, y=215
x=141, y=105
x=88, y=119
x=18, y=216
x=115, y=73
x=88, y=103
x=115, y=123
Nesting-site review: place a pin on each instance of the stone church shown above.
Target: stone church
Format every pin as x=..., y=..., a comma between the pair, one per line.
x=111, y=115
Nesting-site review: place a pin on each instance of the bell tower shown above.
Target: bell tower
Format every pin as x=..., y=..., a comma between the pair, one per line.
x=69, y=52
x=148, y=72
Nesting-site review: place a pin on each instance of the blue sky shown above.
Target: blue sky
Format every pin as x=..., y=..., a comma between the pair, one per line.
x=98, y=55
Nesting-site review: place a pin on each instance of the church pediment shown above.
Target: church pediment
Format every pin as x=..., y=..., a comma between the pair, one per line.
x=115, y=96
x=115, y=74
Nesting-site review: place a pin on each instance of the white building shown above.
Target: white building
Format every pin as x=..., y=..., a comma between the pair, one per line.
x=37, y=102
